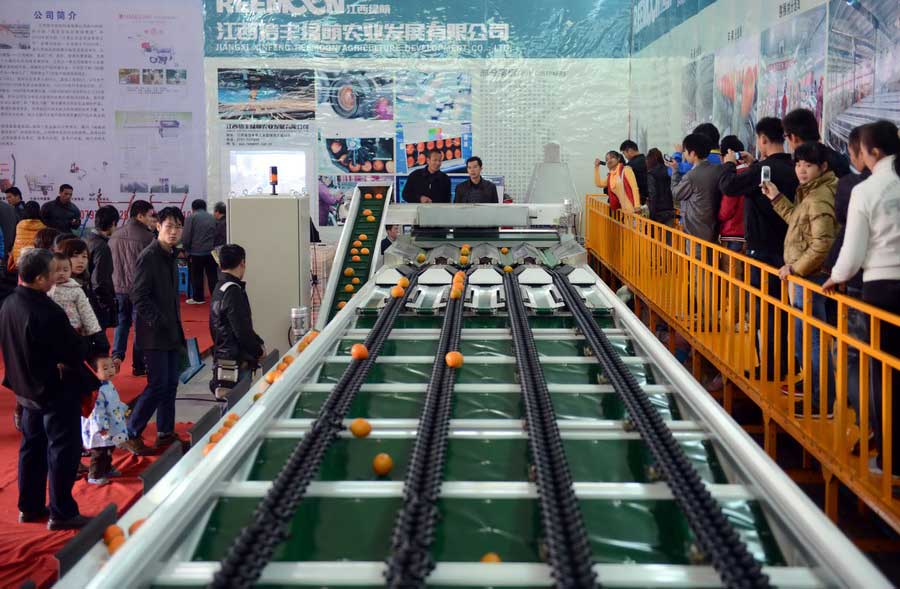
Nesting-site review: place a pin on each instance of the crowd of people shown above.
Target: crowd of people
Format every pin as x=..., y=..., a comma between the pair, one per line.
x=60, y=295
x=803, y=212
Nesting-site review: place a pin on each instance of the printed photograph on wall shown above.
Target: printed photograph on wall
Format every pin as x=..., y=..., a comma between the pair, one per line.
x=434, y=96
x=415, y=140
x=335, y=194
x=347, y=147
x=266, y=94
x=15, y=36
x=863, y=67
x=697, y=92
x=734, y=99
x=355, y=94
x=792, y=65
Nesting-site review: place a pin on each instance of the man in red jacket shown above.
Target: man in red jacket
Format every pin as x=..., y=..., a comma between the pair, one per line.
x=731, y=210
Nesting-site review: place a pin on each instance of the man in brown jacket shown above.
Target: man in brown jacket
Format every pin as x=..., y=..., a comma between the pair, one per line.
x=812, y=227
x=126, y=245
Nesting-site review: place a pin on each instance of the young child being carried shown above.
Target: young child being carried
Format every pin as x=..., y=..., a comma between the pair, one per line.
x=104, y=428
x=68, y=294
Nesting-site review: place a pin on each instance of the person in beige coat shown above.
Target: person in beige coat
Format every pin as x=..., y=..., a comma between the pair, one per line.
x=812, y=227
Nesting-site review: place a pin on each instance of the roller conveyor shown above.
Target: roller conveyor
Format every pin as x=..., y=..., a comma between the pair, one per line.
x=491, y=472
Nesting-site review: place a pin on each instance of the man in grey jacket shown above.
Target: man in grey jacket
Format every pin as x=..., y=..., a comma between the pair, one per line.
x=126, y=245
x=199, y=240
x=698, y=190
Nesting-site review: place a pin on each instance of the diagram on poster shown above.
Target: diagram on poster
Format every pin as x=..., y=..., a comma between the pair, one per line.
x=154, y=156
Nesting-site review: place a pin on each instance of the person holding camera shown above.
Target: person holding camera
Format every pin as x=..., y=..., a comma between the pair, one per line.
x=620, y=184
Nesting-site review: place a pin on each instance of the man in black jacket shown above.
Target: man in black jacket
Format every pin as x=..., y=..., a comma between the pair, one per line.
x=61, y=213
x=158, y=333
x=237, y=348
x=428, y=184
x=100, y=265
x=638, y=163
x=764, y=230
x=801, y=126
x=40, y=351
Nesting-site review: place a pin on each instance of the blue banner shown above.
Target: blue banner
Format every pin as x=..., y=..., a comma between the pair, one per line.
x=412, y=28
x=652, y=19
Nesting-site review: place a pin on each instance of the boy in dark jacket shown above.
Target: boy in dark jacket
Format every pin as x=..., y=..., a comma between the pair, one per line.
x=100, y=265
x=158, y=333
x=41, y=352
x=237, y=348
x=764, y=230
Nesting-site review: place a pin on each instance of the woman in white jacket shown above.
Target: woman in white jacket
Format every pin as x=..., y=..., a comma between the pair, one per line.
x=872, y=243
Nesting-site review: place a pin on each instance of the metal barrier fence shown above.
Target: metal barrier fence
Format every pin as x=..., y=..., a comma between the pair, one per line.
x=742, y=318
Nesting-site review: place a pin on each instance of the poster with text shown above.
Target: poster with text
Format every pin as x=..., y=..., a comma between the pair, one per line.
x=863, y=67
x=116, y=110
x=792, y=65
x=734, y=100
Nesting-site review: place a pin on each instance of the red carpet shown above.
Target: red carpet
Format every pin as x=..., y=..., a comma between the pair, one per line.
x=26, y=550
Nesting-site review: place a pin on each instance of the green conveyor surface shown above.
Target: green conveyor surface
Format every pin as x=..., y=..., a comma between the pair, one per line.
x=362, y=268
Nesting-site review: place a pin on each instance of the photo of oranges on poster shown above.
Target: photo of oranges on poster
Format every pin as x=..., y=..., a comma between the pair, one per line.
x=415, y=140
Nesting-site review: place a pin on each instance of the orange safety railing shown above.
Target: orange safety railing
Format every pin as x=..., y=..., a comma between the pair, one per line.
x=731, y=308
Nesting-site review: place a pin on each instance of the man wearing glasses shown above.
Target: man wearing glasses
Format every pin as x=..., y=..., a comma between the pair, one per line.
x=158, y=333
x=126, y=245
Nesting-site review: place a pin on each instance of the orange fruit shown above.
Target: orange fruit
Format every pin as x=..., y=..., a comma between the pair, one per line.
x=466, y=246
x=282, y=366
x=367, y=212
x=491, y=557
x=312, y=335
x=360, y=428
x=234, y=416
x=304, y=345
x=135, y=525
x=355, y=259
x=507, y=268
x=378, y=196
x=382, y=464
x=278, y=375
x=288, y=360
x=270, y=377
x=420, y=258
x=113, y=545
x=217, y=437
x=403, y=282
x=364, y=251
x=348, y=272
x=397, y=292
x=256, y=397
x=112, y=532
x=348, y=288
x=454, y=359
x=342, y=304
x=368, y=196
x=504, y=250
x=354, y=251
x=460, y=275
x=355, y=281
x=464, y=260
x=208, y=448
x=359, y=352
x=357, y=243
x=455, y=293
x=464, y=251
x=363, y=237
x=370, y=218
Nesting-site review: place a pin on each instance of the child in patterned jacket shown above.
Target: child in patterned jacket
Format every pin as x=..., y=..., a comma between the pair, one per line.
x=104, y=428
x=68, y=294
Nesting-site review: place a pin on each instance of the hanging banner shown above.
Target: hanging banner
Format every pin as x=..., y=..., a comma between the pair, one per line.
x=406, y=28
x=103, y=95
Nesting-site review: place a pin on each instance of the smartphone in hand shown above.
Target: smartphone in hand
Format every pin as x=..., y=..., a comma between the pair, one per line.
x=766, y=175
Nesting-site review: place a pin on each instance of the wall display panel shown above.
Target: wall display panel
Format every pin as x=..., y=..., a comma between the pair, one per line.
x=104, y=96
x=734, y=96
x=863, y=66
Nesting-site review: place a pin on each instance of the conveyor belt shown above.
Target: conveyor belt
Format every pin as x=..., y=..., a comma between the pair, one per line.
x=411, y=560
x=252, y=550
x=718, y=539
x=565, y=537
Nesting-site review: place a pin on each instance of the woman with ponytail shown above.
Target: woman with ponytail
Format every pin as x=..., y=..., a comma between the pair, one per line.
x=872, y=242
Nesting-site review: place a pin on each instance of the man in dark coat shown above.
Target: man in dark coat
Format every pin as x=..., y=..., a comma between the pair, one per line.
x=42, y=354
x=100, y=265
x=158, y=333
x=236, y=346
x=429, y=184
x=61, y=213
